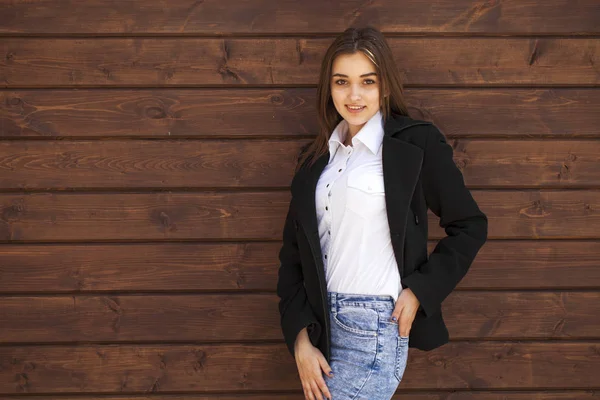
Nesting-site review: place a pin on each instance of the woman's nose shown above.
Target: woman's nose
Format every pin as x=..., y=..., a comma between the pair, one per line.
x=355, y=93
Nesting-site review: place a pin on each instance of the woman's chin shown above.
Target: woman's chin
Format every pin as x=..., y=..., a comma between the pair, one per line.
x=355, y=119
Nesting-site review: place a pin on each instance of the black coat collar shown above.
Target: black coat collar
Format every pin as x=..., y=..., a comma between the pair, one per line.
x=401, y=167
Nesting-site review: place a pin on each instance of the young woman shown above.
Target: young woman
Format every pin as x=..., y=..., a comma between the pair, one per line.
x=356, y=284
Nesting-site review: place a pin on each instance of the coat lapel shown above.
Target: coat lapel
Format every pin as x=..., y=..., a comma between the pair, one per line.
x=401, y=167
x=303, y=190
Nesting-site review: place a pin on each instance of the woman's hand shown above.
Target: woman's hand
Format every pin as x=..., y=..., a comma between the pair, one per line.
x=310, y=361
x=405, y=311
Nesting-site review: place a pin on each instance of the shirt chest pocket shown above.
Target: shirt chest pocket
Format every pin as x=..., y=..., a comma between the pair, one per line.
x=365, y=193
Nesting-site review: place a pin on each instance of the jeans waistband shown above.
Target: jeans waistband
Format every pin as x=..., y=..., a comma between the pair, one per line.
x=380, y=302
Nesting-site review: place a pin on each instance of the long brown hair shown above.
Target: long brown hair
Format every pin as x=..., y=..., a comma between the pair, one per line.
x=372, y=44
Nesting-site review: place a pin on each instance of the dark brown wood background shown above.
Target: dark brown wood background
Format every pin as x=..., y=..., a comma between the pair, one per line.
x=146, y=149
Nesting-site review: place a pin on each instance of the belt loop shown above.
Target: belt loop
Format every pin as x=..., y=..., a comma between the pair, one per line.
x=332, y=306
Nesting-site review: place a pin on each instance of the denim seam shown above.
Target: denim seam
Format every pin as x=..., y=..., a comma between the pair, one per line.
x=399, y=355
x=378, y=336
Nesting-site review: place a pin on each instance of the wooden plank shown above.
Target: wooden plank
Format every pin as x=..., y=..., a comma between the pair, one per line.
x=130, y=164
x=401, y=394
x=226, y=317
x=545, y=264
x=508, y=113
x=139, y=267
x=288, y=16
x=118, y=62
x=50, y=217
x=110, y=216
x=269, y=367
x=162, y=112
x=535, y=214
x=270, y=163
x=527, y=315
x=176, y=113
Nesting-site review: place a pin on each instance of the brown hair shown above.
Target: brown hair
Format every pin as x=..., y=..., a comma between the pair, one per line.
x=372, y=44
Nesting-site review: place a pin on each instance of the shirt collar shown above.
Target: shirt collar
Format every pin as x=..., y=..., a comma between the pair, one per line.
x=370, y=135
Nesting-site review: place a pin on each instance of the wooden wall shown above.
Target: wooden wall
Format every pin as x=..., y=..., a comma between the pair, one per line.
x=146, y=149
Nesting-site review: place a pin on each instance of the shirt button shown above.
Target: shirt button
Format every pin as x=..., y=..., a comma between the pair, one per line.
x=326, y=208
x=328, y=185
x=326, y=256
x=329, y=232
x=340, y=170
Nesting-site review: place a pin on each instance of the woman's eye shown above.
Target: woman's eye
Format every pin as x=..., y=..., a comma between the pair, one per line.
x=342, y=81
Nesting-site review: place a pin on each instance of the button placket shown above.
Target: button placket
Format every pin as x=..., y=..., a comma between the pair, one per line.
x=328, y=216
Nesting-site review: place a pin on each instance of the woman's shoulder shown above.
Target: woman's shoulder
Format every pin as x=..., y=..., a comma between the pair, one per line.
x=417, y=131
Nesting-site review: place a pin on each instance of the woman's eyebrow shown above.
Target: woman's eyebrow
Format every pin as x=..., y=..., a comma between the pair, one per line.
x=362, y=76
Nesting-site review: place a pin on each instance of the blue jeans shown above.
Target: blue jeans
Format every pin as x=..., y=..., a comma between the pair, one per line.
x=368, y=356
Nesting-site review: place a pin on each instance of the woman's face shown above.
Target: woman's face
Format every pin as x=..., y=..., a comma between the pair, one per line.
x=355, y=83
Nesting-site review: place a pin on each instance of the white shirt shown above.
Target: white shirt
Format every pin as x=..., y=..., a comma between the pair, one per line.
x=351, y=213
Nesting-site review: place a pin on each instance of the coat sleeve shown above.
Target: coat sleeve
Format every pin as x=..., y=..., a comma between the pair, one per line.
x=464, y=223
x=294, y=308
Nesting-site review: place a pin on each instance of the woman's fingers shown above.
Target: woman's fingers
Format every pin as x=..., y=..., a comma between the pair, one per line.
x=397, y=311
x=405, y=322
x=320, y=381
x=316, y=390
x=307, y=391
x=325, y=365
x=311, y=362
x=317, y=387
x=312, y=390
x=323, y=388
x=399, y=317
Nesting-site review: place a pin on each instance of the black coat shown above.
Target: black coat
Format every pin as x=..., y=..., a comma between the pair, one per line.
x=418, y=173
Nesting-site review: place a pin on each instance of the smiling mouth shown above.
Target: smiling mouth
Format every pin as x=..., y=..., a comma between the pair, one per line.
x=355, y=109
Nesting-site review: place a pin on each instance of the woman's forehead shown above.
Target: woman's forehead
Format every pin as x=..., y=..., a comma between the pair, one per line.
x=351, y=65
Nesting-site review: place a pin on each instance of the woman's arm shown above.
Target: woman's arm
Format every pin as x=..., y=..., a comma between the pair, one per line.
x=465, y=225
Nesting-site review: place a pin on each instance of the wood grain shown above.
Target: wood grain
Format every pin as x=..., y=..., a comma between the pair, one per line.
x=131, y=267
x=401, y=394
x=161, y=62
x=269, y=367
x=196, y=113
x=49, y=217
x=138, y=268
x=289, y=16
x=255, y=317
x=270, y=163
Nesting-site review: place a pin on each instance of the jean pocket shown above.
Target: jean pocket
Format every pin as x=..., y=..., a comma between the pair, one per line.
x=401, y=357
x=358, y=320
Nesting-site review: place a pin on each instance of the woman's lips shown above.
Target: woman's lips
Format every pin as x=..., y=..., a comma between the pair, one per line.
x=355, y=111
